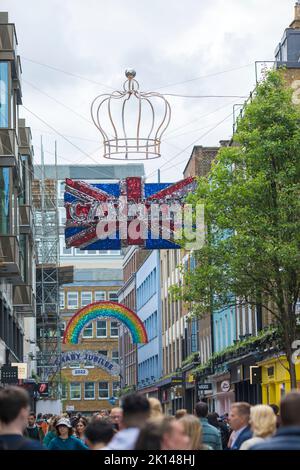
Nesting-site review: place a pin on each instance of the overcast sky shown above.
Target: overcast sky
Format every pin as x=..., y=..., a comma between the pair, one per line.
x=166, y=41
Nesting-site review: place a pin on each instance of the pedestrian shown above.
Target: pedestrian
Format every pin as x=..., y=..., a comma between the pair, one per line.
x=155, y=408
x=65, y=439
x=239, y=422
x=80, y=428
x=275, y=408
x=51, y=434
x=210, y=435
x=115, y=417
x=180, y=413
x=33, y=431
x=99, y=433
x=214, y=420
x=104, y=413
x=14, y=412
x=193, y=430
x=287, y=437
x=136, y=411
x=164, y=433
x=263, y=425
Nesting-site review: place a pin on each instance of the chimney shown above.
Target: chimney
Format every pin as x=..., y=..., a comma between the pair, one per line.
x=295, y=24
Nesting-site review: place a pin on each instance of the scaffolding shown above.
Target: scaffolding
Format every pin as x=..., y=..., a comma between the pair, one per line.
x=48, y=279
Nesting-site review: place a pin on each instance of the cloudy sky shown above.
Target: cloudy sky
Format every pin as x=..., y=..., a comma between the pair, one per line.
x=73, y=50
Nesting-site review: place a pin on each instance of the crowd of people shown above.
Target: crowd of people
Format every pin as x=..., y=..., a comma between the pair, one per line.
x=139, y=424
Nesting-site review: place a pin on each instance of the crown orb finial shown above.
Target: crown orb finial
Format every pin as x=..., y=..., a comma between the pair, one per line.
x=130, y=73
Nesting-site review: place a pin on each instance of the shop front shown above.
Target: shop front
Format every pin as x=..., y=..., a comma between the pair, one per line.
x=171, y=394
x=223, y=392
x=244, y=388
x=190, y=392
x=275, y=379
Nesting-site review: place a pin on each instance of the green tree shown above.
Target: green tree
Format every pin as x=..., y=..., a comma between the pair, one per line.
x=251, y=199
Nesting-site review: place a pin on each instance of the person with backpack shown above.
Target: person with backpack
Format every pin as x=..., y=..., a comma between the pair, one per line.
x=14, y=412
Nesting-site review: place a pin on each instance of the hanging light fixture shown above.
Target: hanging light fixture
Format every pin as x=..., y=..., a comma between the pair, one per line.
x=131, y=122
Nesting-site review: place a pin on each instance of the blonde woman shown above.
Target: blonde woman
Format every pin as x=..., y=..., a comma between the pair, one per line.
x=155, y=408
x=263, y=425
x=193, y=430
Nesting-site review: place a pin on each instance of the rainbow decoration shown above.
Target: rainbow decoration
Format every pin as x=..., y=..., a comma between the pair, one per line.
x=105, y=309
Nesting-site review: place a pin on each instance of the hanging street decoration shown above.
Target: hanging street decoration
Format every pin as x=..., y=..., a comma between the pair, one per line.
x=87, y=358
x=115, y=215
x=105, y=309
x=131, y=122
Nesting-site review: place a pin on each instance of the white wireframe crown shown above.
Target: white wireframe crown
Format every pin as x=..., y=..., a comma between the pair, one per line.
x=132, y=134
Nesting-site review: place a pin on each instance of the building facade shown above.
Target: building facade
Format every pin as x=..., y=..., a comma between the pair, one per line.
x=149, y=310
x=17, y=255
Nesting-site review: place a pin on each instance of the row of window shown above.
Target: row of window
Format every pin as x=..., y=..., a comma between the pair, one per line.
x=148, y=370
x=151, y=326
x=98, y=329
x=146, y=289
x=85, y=298
x=76, y=251
x=90, y=390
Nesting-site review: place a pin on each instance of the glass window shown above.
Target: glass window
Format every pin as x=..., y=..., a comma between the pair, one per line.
x=115, y=356
x=115, y=389
x=100, y=295
x=4, y=94
x=80, y=252
x=104, y=353
x=62, y=328
x=86, y=298
x=6, y=200
x=89, y=390
x=75, y=365
x=61, y=190
x=72, y=299
x=103, y=390
x=75, y=391
x=113, y=296
x=64, y=391
x=101, y=329
x=114, y=329
x=88, y=331
x=62, y=299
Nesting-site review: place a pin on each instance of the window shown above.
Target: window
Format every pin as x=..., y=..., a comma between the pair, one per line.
x=75, y=365
x=89, y=390
x=101, y=329
x=61, y=190
x=115, y=389
x=72, y=299
x=113, y=296
x=88, y=331
x=64, y=391
x=100, y=295
x=63, y=249
x=103, y=390
x=62, y=299
x=114, y=329
x=75, y=391
x=62, y=328
x=104, y=353
x=115, y=356
x=86, y=298
x=4, y=94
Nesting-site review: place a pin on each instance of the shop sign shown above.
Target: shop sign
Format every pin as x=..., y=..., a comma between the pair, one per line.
x=176, y=381
x=204, y=387
x=225, y=386
x=22, y=369
x=70, y=408
x=9, y=375
x=77, y=372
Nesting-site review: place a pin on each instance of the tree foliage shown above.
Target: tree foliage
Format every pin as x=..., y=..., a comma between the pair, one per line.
x=251, y=199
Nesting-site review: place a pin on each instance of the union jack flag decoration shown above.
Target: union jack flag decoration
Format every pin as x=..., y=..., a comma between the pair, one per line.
x=113, y=215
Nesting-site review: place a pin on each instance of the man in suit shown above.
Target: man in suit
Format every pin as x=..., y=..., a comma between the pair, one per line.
x=287, y=436
x=239, y=422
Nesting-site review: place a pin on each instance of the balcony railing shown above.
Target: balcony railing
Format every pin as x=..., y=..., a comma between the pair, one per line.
x=9, y=257
x=24, y=300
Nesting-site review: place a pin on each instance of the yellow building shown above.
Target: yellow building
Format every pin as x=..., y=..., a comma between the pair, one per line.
x=276, y=379
x=88, y=385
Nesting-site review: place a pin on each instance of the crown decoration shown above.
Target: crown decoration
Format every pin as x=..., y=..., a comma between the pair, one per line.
x=130, y=121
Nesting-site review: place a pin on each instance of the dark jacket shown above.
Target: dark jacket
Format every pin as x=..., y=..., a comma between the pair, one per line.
x=286, y=438
x=244, y=436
